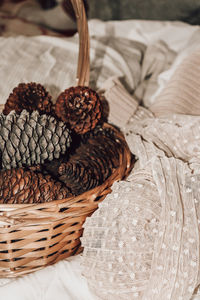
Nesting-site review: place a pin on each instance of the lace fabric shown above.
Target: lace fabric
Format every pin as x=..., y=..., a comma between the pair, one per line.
x=116, y=256
x=143, y=241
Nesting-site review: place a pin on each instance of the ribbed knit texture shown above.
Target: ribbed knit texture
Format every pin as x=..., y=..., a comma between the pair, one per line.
x=182, y=93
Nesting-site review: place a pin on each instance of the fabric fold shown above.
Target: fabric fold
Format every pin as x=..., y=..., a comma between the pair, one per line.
x=163, y=189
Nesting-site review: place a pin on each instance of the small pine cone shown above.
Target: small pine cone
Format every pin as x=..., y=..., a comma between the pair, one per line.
x=80, y=107
x=30, y=139
x=20, y=186
x=93, y=162
x=29, y=96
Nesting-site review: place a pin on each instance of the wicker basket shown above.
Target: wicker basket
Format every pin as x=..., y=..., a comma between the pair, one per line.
x=34, y=236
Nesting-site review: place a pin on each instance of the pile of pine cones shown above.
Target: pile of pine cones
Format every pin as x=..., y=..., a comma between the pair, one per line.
x=53, y=151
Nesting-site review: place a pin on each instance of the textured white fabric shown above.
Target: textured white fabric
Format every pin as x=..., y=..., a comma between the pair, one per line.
x=62, y=281
x=116, y=258
x=126, y=258
x=184, y=87
x=53, y=62
x=147, y=32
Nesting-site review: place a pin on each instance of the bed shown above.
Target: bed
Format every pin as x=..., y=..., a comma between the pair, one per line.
x=141, y=54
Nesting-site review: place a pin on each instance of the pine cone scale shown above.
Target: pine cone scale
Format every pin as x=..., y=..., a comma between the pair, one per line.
x=26, y=186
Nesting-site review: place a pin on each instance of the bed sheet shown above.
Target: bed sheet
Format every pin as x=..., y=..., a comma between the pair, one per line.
x=125, y=49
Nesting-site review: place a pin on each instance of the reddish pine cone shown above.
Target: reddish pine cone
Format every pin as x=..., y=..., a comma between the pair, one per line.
x=80, y=107
x=18, y=186
x=29, y=96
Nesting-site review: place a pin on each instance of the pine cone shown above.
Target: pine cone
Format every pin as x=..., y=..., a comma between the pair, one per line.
x=29, y=96
x=80, y=107
x=98, y=131
x=93, y=162
x=77, y=177
x=18, y=186
x=29, y=139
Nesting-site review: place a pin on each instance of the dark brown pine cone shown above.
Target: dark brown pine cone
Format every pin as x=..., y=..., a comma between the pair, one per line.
x=19, y=186
x=77, y=177
x=92, y=163
x=30, y=96
x=80, y=107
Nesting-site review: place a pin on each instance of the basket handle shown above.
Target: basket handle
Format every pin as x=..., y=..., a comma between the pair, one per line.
x=83, y=69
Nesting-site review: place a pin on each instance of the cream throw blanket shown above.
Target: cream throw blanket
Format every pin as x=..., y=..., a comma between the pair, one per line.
x=143, y=242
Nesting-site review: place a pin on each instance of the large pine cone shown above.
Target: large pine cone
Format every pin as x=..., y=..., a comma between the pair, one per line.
x=80, y=107
x=29, y=139
x=19, y=186
x=93, y=162
x=29, y=96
